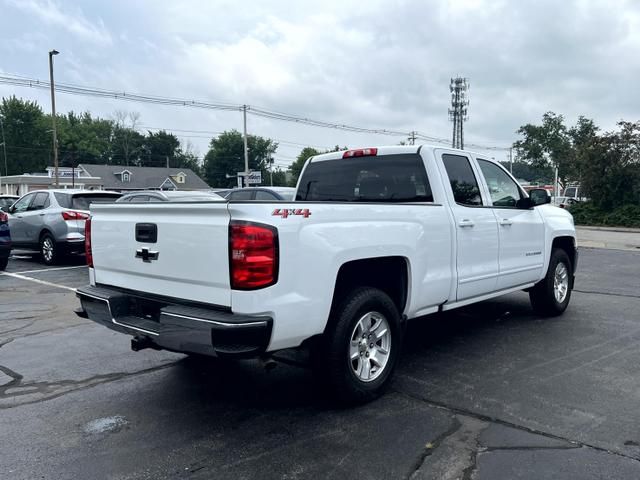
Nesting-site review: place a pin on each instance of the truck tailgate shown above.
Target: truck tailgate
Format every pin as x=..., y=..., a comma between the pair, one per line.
x=189, y=258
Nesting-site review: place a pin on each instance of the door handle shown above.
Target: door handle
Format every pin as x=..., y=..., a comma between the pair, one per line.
x=465, y=223
x=505, y=222
x=18, y=216
x=41, y=214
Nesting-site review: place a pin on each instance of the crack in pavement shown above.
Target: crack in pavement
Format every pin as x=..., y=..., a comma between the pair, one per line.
x=19, y=328
x=16, y=379
x=51, y=390
x=432, y=446
x=627, y=295
x=506, y=423
x=49, y=330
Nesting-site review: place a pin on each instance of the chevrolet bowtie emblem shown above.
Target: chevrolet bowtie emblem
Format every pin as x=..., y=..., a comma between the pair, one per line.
x=146, y=255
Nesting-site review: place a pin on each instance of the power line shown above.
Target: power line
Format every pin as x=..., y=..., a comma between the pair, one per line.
x=72, y=89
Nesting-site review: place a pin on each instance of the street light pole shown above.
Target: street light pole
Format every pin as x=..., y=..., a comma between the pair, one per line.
x=53, y=117
x=4, y=148
x=246, y=149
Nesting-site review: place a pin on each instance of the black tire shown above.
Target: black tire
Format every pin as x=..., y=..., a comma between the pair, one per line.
x=3, y=263
x=542, y=295
x=331, y=355
x=49, y=257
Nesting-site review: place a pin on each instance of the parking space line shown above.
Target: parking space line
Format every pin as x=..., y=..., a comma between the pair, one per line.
x=50, y=269
x=50, y=284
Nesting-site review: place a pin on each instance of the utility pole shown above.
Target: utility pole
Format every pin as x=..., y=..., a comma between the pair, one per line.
x=4, y=148
x=458, y=87
x=412, y=138
x=271, y=170
x=511, y=160
x=53, y=117
x=246, y=149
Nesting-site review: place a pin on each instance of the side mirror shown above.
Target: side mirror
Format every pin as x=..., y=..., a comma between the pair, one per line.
x=539, y=196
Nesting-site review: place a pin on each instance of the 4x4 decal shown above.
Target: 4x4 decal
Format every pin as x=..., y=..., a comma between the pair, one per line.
x=285, y=212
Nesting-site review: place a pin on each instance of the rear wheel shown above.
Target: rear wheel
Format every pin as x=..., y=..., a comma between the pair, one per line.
x=3, y=263
x=550, y=297
x=48, y=249
x=359, y=351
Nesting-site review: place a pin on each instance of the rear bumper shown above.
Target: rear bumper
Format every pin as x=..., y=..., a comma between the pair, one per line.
x=72, y=247
x=180, y=328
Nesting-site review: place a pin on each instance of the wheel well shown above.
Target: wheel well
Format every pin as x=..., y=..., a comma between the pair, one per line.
x=568, y=245
x=389, y=274
x=42, y=234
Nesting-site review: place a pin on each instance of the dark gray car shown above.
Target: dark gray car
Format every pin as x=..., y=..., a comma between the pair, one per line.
x=52, y=221
x=167, y=196
x=6, y=201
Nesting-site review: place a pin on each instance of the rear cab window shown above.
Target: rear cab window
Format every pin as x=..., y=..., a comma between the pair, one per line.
x=387, y=178
x=83, y=201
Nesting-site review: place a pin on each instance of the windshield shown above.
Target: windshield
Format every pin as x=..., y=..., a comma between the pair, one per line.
x=385, y=178
x=5, y=203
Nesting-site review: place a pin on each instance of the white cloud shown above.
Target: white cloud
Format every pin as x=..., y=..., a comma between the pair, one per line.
x=68, y=18
x=375, y=64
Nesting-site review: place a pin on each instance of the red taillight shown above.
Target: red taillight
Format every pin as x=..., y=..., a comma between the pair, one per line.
x=253, y=255
x=87, y=242
x=360, y=152
x=3, y=217
x=72, y=215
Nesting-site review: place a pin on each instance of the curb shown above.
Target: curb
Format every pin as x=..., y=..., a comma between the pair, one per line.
x=609, y=229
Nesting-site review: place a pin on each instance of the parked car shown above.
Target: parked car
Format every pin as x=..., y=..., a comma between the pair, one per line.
x=166, y=196
x=374, y=237
x=52, y=221
x=259, y=193
x=565, y=202
x=5, y=240
x=6, y=201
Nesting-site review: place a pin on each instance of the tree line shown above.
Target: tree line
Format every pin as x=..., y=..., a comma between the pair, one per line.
x=605, y=164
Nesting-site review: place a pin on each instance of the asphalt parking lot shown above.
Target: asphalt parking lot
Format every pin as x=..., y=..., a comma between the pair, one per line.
x=486, y=392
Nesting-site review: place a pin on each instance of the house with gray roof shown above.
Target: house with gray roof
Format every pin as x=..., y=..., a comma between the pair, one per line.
x=121, y=178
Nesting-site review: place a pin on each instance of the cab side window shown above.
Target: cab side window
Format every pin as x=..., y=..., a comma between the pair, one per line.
x=40, y=201
x=504, y=191
x=463, y=181
x=23, y=204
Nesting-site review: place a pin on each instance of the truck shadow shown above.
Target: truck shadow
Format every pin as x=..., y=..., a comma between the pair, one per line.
x=429, y=341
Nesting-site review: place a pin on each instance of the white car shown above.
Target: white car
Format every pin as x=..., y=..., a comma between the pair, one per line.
x=375, y=237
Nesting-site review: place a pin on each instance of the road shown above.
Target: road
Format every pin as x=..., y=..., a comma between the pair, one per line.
x=486, y=392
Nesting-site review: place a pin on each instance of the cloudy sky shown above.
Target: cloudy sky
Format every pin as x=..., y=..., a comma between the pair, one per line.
x=377, y=64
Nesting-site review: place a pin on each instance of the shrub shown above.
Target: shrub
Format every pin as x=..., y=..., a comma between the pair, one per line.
x=587, y=213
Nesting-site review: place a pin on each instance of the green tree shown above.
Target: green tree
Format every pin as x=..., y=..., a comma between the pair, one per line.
x=158, y=149
x=296, y=167
x=548, y=144
x=27, y=135
x=226, y=157
x=83, y=139
x=611, y=168
x=531, y=173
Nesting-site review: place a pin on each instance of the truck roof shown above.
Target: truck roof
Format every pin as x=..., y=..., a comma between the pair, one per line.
x=393, y=150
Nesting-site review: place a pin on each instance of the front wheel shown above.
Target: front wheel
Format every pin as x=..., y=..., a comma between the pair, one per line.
x=550, y=297
x=3, y=263
x=359, y=351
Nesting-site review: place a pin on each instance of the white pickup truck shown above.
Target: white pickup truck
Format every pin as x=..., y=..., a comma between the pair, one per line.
x=375, y=237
